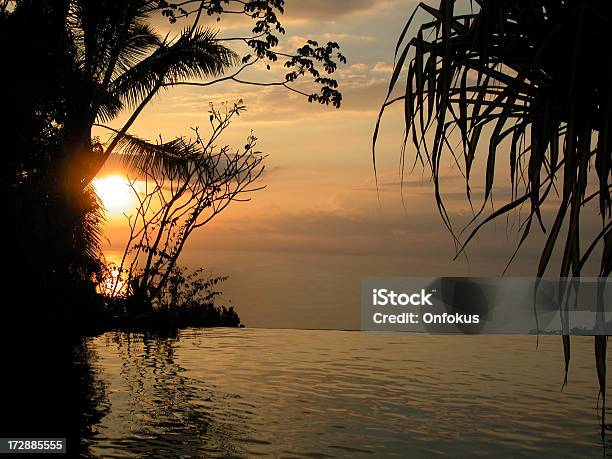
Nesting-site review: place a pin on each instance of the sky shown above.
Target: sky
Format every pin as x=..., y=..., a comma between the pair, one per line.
x=296, y=253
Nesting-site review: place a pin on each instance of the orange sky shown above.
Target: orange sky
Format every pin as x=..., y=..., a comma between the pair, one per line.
x=296, y=253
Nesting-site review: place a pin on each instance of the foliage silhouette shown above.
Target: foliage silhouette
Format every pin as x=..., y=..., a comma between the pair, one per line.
x=76, y=66
x=175, y=200
x=525, y=77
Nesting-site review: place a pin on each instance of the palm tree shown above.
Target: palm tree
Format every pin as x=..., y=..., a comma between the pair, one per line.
x=100, y=58
x=120, y=63
x=79, y=64
x=527, y=79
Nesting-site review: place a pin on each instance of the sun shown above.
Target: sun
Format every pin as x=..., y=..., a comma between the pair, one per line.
x=115, y=193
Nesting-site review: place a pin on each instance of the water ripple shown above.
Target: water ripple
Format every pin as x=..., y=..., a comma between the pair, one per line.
x=291, y=393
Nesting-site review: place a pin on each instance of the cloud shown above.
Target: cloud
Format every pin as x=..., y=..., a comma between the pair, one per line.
x=347, y=37
x=365, y=231
x=359, y=67
x=317, y=10
x=325, y=9
x=417, y=180
x=382, y=67
x=189, y=106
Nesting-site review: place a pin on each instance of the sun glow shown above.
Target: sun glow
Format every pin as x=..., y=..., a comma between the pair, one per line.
x=115, y=193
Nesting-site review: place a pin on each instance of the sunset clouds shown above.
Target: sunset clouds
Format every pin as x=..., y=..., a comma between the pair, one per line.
x=322, y=198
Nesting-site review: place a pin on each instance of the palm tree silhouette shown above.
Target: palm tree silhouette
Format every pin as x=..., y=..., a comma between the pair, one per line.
x=76, y=64
x=524, y=78
x=119, y=63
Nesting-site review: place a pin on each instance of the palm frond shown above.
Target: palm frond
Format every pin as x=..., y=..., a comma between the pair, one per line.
x=525, y=73
x=141, y=40
x=90, y=233
x=102, y=30
x=165, y=158
x=526, y=79
x=193, y=55
x=109, y=105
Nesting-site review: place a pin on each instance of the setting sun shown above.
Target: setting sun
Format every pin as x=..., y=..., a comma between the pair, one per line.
x=115, y=193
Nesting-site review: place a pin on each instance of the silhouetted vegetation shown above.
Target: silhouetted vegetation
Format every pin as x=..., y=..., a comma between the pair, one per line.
x=75, y=67
x=172, y=202
x=73, y=72
x=186, y=300
x=527, y=81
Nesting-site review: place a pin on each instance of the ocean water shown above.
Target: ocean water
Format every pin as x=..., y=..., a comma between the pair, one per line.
x=302, y=393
